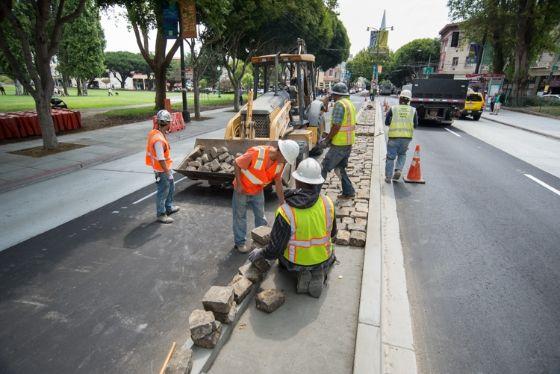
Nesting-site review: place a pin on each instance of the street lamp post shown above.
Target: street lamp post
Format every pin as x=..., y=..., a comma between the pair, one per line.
x=186, y=114
x=219, y=70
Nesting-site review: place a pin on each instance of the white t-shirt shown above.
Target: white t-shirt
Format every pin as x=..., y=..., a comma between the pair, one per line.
x=159, y=150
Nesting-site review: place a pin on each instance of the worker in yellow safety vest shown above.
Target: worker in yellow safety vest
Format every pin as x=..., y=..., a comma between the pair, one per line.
x=254, y=170
x=158, y=157
x=401, y=119
x=301, y=237
x=341, y=138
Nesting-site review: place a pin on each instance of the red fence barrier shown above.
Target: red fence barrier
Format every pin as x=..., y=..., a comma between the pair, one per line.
x=14, y=125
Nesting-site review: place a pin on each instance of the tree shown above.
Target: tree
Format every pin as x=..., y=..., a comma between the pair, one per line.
x=337, y=51
x=362, y=64
x=124, y=63
x=409, y=59
x=31, y=33
x=81, y=48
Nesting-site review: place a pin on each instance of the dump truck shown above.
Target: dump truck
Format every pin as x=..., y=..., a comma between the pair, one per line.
x=281, y=112
x=439, y=98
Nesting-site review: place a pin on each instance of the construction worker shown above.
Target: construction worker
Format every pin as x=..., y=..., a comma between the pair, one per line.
x=301, y=237
x=254, y=170
x=341, y=138
x=159, y=158
x=401, y=119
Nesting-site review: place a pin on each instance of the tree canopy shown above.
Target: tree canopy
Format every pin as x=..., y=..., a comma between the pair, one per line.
x=124, y=64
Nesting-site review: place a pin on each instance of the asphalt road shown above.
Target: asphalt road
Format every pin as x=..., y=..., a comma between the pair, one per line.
x=481, y=244
x=110, y=291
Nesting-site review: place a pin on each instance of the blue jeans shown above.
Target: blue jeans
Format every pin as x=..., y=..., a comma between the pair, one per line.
x=239, y=203
x=337, y=158
x=164, y=195
x=396, y=149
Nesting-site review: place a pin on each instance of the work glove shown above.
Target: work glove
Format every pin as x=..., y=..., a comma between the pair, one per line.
x=256, y=254
x=170, y=176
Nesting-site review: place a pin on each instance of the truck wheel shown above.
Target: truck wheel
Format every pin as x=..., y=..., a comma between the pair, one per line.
x=476, y=116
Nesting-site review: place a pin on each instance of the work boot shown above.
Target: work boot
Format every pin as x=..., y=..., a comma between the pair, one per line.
x=242, y=248
x=345, y=197
x=174, y=209
x=388, y=180
x=397, y=175
x=316, y=283
x=303, y=279
x=165, y=219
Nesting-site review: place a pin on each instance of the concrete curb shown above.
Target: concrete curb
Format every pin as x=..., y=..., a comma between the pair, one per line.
x=522, y=128
x=367, y=354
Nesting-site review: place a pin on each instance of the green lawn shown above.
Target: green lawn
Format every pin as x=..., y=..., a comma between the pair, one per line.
x=95, y=99
x=552, y=110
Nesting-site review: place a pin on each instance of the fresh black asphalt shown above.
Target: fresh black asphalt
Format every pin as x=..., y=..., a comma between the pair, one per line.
x=110, y=291
x=482, y=256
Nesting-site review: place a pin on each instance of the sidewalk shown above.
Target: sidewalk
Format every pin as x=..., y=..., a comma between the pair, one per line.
x=549, y=127
x=39, y=194
x=103, y=145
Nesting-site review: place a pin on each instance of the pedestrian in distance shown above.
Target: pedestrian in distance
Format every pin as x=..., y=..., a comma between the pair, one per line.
x=159, y=158
x=254, y=170
x=341, y=137
x=303, y=231
x=492, y=104
x=497, y=104
x=401, y=119
x=2, y=89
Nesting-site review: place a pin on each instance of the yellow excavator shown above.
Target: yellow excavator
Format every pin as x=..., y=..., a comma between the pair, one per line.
x=286, y=109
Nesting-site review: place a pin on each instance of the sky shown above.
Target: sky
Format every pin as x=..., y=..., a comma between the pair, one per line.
x=411, y=19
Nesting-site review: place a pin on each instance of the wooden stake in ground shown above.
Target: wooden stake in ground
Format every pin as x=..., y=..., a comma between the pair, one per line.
x=171, y=351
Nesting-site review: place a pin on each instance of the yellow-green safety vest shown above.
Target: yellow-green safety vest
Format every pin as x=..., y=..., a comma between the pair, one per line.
x=402, y=122
x=310, y=240
x=346, y=135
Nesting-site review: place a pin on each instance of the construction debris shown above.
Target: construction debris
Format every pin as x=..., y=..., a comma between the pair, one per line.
x=269, y=300
x=217, y=160
x=261, y=235
x=205, y=330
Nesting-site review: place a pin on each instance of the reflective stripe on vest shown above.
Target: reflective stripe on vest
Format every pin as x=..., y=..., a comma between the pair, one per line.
x=310, y=240
x=402, y=122
x=346, y=133
x=257, y=176
x=151, y=155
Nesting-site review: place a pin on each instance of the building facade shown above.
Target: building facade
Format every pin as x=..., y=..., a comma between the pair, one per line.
x=457, y=54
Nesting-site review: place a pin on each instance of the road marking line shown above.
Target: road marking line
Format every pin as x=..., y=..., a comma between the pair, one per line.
x=548, y=187
x=453, y=132
x=153, y=193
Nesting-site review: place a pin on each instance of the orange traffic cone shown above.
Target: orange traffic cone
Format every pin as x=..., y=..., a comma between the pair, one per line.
x=414, y=173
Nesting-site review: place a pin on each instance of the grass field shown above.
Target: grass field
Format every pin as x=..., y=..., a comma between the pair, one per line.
x=100, y=99
x=552, y=110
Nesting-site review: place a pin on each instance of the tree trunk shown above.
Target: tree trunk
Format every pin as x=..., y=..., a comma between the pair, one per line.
x=524, y=38
x=236, y=83
x=159, y=75
x=19, y=88
x=79, y=86
x=84, y=87
x=65, y=85
x=43, y=107
x=196, y=93
x=123, y=80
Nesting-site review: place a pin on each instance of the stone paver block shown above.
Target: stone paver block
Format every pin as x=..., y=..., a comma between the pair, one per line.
x=261, y=234
x=201, y=323
x=209, y=341
x=262, y=264
x=223, y=150
x=205, y=158
x=270, y=300
x=222, y=157
x=215, y=165
x=250, y=272
x=347, y=220
x=355, y=214
x=362, y=208
x=343, y=212
x=229, y=317
x=213, y=152
x=358, y=239
x=181, y=362
x=361, y=221
x=218, y=299
x=342, y=237
x=241, y=287
x=194, y=164
x=356, y=227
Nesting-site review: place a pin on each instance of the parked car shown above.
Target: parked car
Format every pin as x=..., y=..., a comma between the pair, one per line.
x=553, y=98
x=474, y=104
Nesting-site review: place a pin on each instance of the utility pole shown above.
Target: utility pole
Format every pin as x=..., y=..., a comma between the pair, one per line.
x=186, y=114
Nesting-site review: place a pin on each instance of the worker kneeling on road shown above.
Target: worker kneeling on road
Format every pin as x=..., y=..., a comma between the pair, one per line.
x=401, y=119
x=254, y=170
x=301, y=237
x=159, y=158
x=341, y=138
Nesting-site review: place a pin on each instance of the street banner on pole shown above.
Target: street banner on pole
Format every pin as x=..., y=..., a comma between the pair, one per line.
x=373, y=38
x=375, y=72
x=383, y=39
x=170, y=20
x=187, y=9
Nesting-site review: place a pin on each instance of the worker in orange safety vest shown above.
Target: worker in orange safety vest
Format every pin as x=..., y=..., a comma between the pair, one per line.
x=254, y=170
x=158, y=157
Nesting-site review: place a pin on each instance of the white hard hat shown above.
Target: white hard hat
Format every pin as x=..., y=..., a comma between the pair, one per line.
x=289, y=149
x=163, y=116
x=309, y=171
x=407, y=94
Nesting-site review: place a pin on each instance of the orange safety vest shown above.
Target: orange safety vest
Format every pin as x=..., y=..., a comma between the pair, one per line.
x=257, y=176
x=151, y=156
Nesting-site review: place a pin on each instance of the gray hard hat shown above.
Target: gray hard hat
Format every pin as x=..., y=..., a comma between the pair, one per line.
x=163, y=116
x=340, y=89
